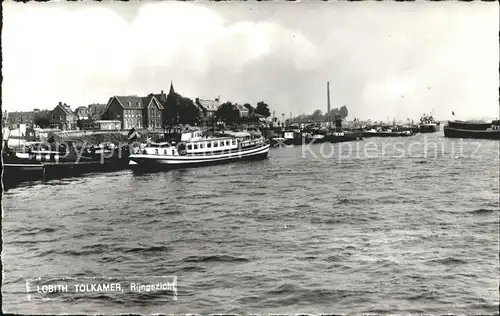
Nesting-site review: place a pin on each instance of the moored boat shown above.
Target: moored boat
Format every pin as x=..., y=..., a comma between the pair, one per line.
x=470, y=125
x=337, y=135
x=298, y=137
x=479, y=130
x=49, y=160
x=17, y=168
x=195, y=149
x=340, y=137
x=287, y=137
x=386, y=133
x=429, y=125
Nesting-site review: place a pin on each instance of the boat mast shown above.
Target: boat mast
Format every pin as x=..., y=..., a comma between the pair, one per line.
x=328, y=102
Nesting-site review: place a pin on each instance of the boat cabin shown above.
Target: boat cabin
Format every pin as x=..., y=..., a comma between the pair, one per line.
x=194, y=134
x=197, y=144
x=495, y=125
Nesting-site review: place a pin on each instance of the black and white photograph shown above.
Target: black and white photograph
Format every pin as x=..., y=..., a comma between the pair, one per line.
x=250, y=157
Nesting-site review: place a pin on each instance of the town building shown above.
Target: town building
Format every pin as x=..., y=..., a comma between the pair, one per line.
x=207, y=108
x=62, y=117
x=135, y=112
x=86, y=124
x=153, y=112
x=242, y=110
x=162, y=97
x=82, y=112
x=14, y=119
x=96, y=111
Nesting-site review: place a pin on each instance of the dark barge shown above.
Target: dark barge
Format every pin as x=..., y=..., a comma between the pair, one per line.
x=479, y=130
x=58, y=161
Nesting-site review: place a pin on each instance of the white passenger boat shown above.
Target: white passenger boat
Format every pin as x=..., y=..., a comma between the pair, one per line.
x=194, y=149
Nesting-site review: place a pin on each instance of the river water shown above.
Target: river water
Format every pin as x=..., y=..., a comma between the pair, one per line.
x=401, y=225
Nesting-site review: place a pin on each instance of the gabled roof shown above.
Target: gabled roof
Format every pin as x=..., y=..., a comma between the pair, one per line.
x=27, y=116
x=162, y=97
x=66, y=109
x=81, y=109
x=130, y=102
x=208, y=105
x=96, y=108
x=146, y=101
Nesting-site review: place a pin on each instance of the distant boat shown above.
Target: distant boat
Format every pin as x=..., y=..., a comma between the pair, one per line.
x=473, y=129
x=470, y=125
x=340, y=137
x=388, y=132
x=429, y=125
x=287, y=137
x=337, y=134
x=298, y=137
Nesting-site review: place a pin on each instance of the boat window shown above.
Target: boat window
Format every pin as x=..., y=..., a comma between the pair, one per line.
x=233, y=142
x=209, y=145
x=189, y=147
x=228, y=143
x=216, y=144
x=202, y=146
x=156, y=151
x=222, y=143
x=165, y=151
x=195, y=146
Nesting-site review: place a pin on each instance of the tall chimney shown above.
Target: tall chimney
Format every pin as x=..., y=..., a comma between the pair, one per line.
x=328, y=95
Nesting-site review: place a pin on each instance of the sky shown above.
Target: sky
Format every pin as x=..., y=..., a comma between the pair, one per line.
x=383, y=60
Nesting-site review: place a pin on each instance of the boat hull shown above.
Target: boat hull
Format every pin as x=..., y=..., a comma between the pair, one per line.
x=13, y=173
x=63, y=169
x=461, y=125
x=343, y=138
x=464, y=133
x=387, y=134
x=16, y=170
x=153, y=162
x=276, y=142
x=429, y=128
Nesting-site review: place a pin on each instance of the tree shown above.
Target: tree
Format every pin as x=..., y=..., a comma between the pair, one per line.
x=188, y=112
x=343, y=111
x=317, y=115
x=227, y=113
x=41, y=121
x=263, y=109
x=250, y=108
x=171, y=109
